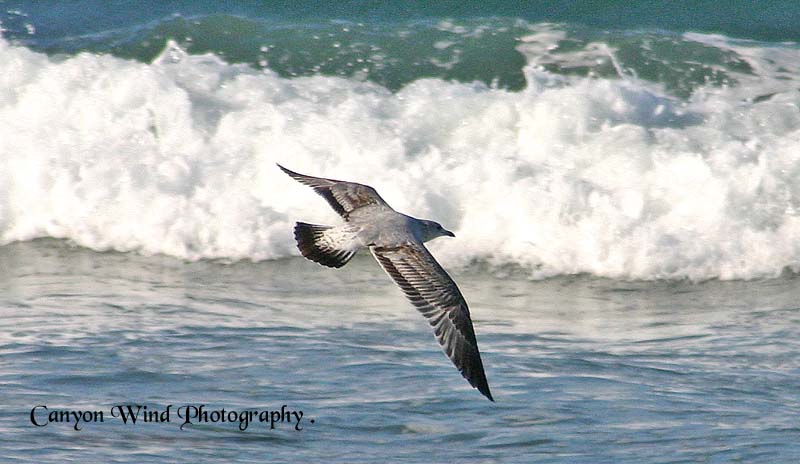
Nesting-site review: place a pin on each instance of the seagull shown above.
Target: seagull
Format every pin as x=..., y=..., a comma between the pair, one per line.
x=397, y=243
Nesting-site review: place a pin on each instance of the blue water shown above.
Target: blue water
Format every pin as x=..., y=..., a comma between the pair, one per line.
x=773, y=20
x=621, y=176
x=395, y=43
x=583, y=369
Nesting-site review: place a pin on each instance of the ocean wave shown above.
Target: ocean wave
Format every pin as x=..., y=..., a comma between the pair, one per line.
x=608, y=175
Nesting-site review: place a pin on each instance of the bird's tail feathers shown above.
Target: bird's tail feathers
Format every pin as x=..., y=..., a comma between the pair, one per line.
x=329, y=246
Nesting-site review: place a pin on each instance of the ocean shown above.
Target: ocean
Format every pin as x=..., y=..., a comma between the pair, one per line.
x=621, y=178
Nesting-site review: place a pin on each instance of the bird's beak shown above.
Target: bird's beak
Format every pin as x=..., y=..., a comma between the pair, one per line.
x=448, y=233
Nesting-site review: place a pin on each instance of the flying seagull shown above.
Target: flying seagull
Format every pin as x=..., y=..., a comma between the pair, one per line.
x=396, y=242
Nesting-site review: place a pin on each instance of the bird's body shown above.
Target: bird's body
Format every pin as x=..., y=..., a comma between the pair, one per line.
x=396, y=241
x=389, y=228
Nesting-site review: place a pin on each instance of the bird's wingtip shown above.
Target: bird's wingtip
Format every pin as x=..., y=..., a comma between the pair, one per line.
x=288, y=172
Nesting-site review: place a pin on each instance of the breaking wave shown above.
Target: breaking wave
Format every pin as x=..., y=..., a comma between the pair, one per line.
x=576, y=173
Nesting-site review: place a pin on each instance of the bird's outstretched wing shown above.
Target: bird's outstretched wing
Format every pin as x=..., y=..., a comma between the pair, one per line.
x=344, y=197
x=428, y=286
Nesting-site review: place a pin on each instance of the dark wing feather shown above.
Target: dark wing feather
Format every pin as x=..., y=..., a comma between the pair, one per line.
x=428, y=286
x=344, y=197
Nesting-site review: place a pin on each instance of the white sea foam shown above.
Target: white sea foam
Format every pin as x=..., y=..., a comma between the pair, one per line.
x=571, y=175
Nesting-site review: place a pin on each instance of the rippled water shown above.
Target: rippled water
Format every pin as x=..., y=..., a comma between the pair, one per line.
x=583, y=369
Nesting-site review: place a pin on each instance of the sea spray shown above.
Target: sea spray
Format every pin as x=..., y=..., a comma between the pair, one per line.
x=611, y=175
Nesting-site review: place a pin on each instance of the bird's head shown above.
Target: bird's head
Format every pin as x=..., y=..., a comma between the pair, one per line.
x=432, y=229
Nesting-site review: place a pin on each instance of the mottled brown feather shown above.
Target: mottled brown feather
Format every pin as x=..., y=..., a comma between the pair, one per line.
x=431, y=290
x=344, y=197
